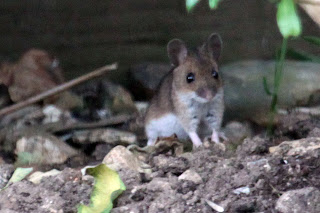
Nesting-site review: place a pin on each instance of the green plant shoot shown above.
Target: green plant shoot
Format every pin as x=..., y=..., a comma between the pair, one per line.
x=290, y=26
x=213, y=4
x=190, y=4
x=288, y=20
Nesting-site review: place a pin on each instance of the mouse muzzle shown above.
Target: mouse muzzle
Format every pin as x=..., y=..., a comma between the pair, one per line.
x=206, y=93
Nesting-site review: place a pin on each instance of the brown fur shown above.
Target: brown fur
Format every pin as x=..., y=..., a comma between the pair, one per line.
x=182, y=102
x=165, y=100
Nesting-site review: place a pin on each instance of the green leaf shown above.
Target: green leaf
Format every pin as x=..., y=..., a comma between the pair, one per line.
x=213, y=4
x=190, y=4
x=108, y=186
x=302, y=56
x=312, y=39
x=287, y=18
x=266, y=87
x=18, y=175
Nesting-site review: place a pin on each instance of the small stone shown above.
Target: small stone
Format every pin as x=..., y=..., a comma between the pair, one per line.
x=236, y=132
x=242, y=190
x=52, y=114
x=88, y=178
x=36, y=177
x=260, y=184
x=6, y=171
x=191, y=175
x=43, y=149
x=121, y=158
x=169, y=164
x=256, y=145
x=303, y=147
x=159, y=185
x=300, y=200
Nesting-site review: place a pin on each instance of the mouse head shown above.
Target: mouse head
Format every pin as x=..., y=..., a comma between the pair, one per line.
x=196, y=73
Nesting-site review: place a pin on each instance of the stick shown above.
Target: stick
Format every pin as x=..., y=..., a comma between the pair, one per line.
x=119, y=119
x=58, y=89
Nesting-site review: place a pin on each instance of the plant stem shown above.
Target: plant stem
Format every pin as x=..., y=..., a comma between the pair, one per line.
x=276, y=84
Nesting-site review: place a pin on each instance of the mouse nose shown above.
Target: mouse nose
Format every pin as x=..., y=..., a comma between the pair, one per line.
x=206, y=93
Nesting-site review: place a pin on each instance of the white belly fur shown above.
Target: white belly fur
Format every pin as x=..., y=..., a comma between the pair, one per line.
x=164, y=127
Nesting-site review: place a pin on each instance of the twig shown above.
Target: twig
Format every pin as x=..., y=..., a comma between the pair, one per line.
x=103, y=123
x=58, y=89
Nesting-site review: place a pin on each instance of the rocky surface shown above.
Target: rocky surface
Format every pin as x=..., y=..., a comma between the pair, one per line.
x=299, y=200
x=251, y=180
x=60, y=193
x=250, y=173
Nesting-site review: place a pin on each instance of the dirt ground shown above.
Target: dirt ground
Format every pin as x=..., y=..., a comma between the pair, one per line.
x=246, y=178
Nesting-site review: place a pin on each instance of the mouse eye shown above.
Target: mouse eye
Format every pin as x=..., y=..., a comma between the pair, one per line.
x=215, y=74
x=190, y=77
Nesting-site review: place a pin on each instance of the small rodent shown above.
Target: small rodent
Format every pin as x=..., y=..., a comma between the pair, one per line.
x=189, y=99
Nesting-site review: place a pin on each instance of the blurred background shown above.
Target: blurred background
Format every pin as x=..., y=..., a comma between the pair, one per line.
x=85, y=35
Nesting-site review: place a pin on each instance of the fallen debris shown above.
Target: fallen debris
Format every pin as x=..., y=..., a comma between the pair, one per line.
x=42, y=149
x=58, y=89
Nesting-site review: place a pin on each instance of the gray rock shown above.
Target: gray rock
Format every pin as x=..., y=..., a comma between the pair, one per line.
x=256, y=145
x=6, y=171
x=191, y=175
x=236, y=131
x=174, y=165
x=304, y=147
x=300, y=200
x=245, y=97
x=121, y=158
x=37, y=176
x=43, y=149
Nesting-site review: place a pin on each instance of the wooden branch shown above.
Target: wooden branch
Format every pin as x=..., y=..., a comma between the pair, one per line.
x=58, y=89
x=59, y=127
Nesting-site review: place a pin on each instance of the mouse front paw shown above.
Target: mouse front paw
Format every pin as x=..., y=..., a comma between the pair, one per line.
x=195, y=139
x=215, y=137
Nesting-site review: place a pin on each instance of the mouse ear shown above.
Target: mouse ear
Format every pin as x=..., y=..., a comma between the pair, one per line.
x=177, y=51
x=214, y=46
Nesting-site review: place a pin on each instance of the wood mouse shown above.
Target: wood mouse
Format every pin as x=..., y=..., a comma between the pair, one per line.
x=189, y=99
